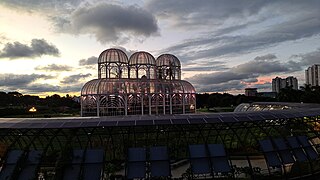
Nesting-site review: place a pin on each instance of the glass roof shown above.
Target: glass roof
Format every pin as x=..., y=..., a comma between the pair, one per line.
x=113, y=56
x=77, y=122
x=142, y=58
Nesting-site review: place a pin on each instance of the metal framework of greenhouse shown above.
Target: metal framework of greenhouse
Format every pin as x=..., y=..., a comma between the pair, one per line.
x=243, y=135
x=141, y=85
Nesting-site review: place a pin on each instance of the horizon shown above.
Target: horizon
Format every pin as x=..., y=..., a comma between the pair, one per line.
x=51, y=47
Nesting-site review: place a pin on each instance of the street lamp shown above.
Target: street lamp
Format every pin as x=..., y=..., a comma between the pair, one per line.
x=32, y=110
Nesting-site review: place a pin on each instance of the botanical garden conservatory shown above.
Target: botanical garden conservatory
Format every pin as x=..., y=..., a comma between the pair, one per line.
x=140, y=85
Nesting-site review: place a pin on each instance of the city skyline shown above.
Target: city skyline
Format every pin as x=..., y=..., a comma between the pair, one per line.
x=49, y=47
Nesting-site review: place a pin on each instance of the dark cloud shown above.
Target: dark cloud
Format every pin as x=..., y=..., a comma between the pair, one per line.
x=40, y=5
x=54, y=67
x=231, y=45
x=219, y=77
x=205, y=66
x=37, y=48
x=253, y=25
x=221, y=87
x=194, y=14
x=71, y=88
x=29, y=84
x=108, y=22
x=266, y=57
x=127, y=51
x=40, y=88
x=89, y=61
x=241, y=75
x=20, y=80
x=74, y=78
x=250, y=80
x=264, y=87
x=262, y=67
x=306, y=59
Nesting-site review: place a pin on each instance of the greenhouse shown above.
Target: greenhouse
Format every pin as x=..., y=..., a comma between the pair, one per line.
x=140, y=85
x=279, y=144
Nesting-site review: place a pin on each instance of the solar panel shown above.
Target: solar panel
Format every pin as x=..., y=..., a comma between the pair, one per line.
x=136, y=170
x=89, y=124
x=242, y=118
x=77, y=156
x=219, y=160
x=37, y=125
x=71, y=124
x=266, y=145
x=144, y=122
x=21, y=125
x=8, y=168
x=198, y=151
x=92, y=171
x=160, y=168
x=162, y=122
x=228, y=119
x=29, y=171
x=268, y=116
x=108, y=123
x=216, y=150
x=271, y=156
x=159, y=161
x=53, y=125
x=94, y=156
x=280, y=144
x=220, y=164
x=196, y=121
x=13, y=156
x=272, y=159
x=7, y=171
x=72, y=172
x=279, y=115
x=297, y=150
x=136, y=154
x=256, y=117
x=126, y=123
x=158, y=153
x=180, y=121
x=6, y=125
x=213, y=120
x=311, y=152
x=200, y=166
x=284, y=152
x=304, y=141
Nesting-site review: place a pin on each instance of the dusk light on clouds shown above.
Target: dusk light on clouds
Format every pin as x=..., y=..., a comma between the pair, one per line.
x=52, y=46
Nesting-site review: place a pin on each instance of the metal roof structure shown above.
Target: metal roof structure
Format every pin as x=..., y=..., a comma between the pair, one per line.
x=114, y=121
x=258, y=144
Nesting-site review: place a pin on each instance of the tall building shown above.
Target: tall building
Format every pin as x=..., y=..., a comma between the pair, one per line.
x=312, y=75
x=280, y=83
x=251, y=92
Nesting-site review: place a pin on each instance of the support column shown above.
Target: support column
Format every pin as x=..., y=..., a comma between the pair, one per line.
x=164, y=104
x=170, y=99
x=149, y=105
x=142, y=104
x=125, y=104
x=183, y=105
x=81, y=104
x=98, y=105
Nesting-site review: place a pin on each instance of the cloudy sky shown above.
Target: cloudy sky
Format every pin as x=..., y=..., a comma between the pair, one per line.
x=52, y=46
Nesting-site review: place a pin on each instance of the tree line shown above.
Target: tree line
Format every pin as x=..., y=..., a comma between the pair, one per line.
x=15, y=103
x=306, y=94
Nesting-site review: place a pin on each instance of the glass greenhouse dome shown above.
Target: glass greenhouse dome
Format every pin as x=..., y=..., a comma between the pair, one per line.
x=139, y=85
